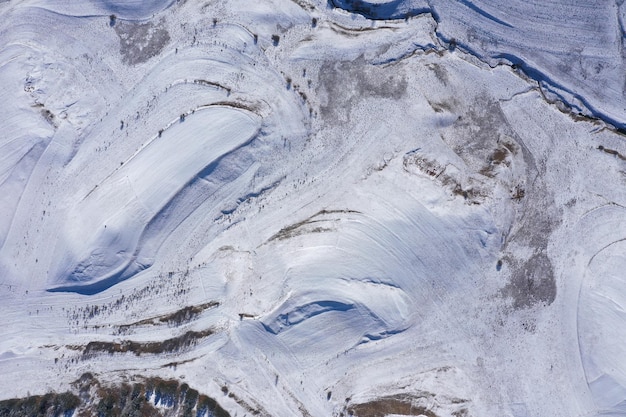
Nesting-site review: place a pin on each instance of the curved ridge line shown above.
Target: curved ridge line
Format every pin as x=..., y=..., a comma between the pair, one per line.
x=540, y=77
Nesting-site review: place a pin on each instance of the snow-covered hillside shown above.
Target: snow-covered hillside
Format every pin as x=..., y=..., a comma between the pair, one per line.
x=314, y=208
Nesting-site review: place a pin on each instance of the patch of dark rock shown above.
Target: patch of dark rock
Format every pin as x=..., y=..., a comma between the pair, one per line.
x=358, y=80
x=396, y=405
x=532, y=282
x=441, y=74
x=471, y=192
x=485, y=129
x=140, y=41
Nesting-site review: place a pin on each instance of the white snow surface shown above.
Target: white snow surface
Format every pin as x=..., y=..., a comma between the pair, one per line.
x=416, y=198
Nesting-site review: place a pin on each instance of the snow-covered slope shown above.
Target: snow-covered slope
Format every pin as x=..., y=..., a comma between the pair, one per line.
x=306, y=208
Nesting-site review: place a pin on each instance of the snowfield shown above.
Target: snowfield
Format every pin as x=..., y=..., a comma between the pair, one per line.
x=314, y=208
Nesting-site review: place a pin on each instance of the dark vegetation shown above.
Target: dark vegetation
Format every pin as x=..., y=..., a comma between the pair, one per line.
x=298, y=228
x=255, y=411
x=50, y=404
x=46, y=113
x=171, y=287
x=172, y=345
x=139, y=399
x=612, y=152
x=182, y=316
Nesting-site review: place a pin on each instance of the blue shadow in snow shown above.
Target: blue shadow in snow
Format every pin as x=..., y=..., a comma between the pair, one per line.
x=375, y=11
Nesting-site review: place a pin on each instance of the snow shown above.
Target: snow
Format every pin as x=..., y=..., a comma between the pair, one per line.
x=383, y=198
x=574, y=49
x=117, y=212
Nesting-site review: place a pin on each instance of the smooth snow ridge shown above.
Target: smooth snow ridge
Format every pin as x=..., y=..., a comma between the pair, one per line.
x=316, y=208
x=117, y=211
